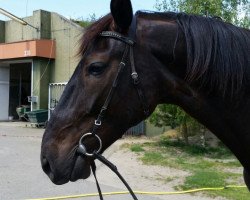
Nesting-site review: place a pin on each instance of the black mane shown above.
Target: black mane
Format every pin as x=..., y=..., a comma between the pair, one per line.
x=218, y=53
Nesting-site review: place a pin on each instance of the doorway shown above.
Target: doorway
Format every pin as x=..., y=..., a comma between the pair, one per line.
x=4, y=92
x=20, y=87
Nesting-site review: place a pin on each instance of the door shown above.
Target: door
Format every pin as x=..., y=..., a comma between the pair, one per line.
x=4, y=93
x=20, y=87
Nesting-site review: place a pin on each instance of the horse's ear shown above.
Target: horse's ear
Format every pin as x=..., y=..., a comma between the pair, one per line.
x=122, y=13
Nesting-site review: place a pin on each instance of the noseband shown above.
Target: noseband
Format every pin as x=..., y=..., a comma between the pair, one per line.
x=129, y=44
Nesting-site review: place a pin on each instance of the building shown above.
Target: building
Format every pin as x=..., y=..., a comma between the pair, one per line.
x=31, y=57
x=37, y=61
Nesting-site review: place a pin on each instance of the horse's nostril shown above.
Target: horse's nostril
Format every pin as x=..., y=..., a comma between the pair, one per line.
x=46, y=165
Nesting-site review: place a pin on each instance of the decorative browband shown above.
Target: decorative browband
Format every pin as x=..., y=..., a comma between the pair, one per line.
x=118, y=36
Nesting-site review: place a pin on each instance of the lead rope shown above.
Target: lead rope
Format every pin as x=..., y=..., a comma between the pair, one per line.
x=93, y=168
x=114, y=169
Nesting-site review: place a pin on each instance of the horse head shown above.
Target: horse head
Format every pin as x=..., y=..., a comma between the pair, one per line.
x=87, y=90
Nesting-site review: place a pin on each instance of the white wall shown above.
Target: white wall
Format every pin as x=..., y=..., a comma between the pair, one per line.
x=4, y=92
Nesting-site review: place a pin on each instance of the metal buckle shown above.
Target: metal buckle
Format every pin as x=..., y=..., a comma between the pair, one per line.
x=82, y=149
x=135, y=76
x=98, y=122
x=122, y=64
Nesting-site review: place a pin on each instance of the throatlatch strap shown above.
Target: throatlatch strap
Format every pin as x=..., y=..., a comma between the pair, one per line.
x=136, y=82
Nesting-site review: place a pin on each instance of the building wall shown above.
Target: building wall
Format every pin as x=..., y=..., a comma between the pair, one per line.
x=152, y=130
x=44, y=17
x=2, y=31
x=15, y=31
x=41, y=20
x=41, y=78
x=66, y=35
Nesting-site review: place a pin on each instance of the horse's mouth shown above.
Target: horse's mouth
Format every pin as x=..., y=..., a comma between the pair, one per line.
x=81, y=169
x=60, y=176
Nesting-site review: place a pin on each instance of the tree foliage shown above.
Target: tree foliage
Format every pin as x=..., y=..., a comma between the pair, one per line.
x=167, y=115
x=175, y=117
x=85, y=22
x=233, y=11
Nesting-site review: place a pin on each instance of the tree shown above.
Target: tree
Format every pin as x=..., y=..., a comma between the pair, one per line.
x=175, y=117
x=233, y=11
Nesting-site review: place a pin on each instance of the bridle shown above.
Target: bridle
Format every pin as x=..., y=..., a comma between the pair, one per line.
x=129, y=44
x=134, y=75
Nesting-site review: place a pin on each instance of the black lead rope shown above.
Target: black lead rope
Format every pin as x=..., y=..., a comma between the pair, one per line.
x=114, y=169
x=93, y=167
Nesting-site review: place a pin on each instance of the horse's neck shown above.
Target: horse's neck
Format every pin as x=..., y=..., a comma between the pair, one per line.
x=229, y=124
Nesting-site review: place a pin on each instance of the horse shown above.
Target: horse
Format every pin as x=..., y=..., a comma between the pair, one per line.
x=148, y=58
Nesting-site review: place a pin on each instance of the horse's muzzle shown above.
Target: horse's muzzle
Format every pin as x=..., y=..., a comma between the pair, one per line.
x=47, y=168
x=62, y=173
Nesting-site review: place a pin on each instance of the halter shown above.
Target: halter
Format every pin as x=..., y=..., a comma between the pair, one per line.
x=98, y=122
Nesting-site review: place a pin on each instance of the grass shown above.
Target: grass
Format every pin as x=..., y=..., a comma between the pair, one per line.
x=206, y=165
x=136, y=148
x=204, y=179
x=196, y=150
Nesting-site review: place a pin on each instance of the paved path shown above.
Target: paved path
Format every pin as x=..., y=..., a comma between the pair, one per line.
x=21, y=176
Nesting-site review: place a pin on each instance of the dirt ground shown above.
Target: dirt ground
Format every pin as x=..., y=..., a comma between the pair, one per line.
x=143, y=177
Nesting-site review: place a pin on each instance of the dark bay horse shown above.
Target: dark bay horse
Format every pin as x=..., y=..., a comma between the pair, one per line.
x=200, y=64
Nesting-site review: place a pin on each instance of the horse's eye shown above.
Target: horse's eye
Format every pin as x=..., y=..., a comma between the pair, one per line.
x=97, y=68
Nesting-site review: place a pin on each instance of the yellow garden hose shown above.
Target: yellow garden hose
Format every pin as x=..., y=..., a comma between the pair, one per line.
x=141, y=192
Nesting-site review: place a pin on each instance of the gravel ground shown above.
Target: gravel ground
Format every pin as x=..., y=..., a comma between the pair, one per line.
x=21, y=176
